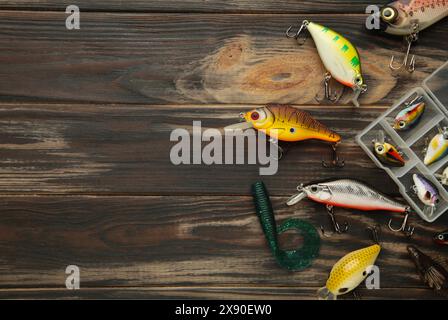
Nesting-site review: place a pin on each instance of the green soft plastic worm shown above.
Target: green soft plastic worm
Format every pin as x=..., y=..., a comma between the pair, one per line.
x=295, y=260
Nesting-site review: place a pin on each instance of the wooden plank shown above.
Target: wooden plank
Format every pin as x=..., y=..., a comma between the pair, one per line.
x=201, y=58
x=125, y=149
x=189, y=6
x=215, y=293
x=181, y=241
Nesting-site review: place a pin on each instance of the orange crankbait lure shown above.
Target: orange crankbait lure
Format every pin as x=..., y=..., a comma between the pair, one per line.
x=286, y=123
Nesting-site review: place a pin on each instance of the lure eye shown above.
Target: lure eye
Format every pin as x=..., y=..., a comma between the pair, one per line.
x=402, y=124
x=389, y=14
x=358, y=80
x=314, y=189
x=379, y=149
x=440, y=237
x=258, y=115
x=255, y=115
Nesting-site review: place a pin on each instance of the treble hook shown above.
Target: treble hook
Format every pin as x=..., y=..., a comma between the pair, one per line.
x=337, y=227
x=336, y=162
x=409, y=231
x=410, y=66
x=332, y=97
x=296, y=35
x=375, y=233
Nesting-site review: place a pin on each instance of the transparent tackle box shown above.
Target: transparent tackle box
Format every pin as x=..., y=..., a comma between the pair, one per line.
x=413, y=141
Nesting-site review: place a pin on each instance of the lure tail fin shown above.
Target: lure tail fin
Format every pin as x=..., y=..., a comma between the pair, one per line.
x=325, y=294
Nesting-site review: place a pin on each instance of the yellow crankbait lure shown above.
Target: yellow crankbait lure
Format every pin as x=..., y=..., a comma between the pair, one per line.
x=339, y=56
x=286, y=123
x=349, y=272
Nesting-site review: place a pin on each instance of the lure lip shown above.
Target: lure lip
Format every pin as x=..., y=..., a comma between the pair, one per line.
x=296, y=198
x=238, y=126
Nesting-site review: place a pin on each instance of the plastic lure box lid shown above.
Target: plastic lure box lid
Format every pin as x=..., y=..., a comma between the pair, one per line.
x=412, y=143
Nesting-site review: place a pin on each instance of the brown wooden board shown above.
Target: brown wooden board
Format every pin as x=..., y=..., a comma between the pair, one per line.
x=125, y=149
x=200, y=242
x=201, y=58
x=190, y=6
x=215, y=293
x=85, y=123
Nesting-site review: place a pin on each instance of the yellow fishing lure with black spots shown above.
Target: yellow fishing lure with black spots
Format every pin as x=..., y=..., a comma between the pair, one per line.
x=349, y=272
x=339, y=56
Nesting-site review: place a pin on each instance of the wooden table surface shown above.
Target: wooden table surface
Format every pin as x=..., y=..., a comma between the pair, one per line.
x=85, y=174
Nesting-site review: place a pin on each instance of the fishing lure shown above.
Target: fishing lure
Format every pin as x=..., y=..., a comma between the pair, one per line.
x=294, y=259
x=339, y=56
x=349, y=272
x=346, y=193
x=441, y=238
x=426, y=192
x=286, y=123
x=443, y=178
x=410, y=116
x=407, y=18
x=431, y=272
x=386, y=152
x=438, y=147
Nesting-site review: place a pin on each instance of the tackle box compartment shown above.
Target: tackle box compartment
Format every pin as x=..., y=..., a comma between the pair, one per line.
x=413, y=141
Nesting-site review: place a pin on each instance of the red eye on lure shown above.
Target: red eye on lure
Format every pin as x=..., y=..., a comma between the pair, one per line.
x=289, y=124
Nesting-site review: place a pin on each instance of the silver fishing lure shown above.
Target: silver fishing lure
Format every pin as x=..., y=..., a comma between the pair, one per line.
x=353, y=194
x=347, y=193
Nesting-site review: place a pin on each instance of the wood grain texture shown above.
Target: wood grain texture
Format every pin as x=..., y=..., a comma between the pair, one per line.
x=190, y=6
x=214, y=293
x=203, y=58
x=125, y=149
x=196, y=242
x=85, y=123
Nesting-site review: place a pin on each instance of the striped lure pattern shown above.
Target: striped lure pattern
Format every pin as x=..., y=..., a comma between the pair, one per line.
x=287, y=123
x=338, y=55
x=409, y=116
